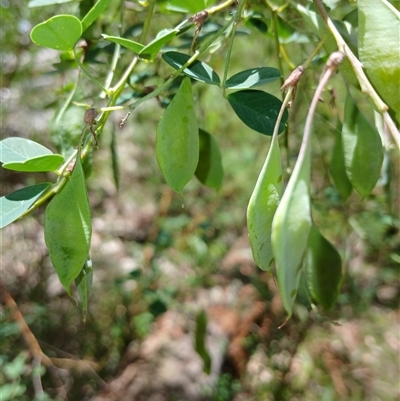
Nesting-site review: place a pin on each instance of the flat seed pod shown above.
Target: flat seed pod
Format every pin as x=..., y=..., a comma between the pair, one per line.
x=262, y=207
x=290, y=229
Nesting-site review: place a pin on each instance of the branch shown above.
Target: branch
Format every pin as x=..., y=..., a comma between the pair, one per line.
x=33, y=345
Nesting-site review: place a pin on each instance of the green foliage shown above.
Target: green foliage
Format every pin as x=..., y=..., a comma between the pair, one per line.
x=259, y=110
x=253, y=77
x=129, y=44
x=60, y=33
x=279, y=219
x=68, y=227
x=177, y=142
x=209, y=169
x=323, y=267
x=20, y=154
x=362, y=149
x=198, y=70
x=379, y=48
x=338, y=170
x=14, y=205
x=188, y=6
x=95, y=12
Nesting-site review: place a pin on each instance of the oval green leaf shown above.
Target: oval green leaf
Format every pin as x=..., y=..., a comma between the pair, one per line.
x=323, y=267
x=98, y=9
x=362, y=149
x=209, y=169
x=37, y=164
x=253, y=77
x=258, y=110
x=21, y=150
x=150, y=51
x=129, y=44
x=68, y=227
x=290, y=229
x=262, y=207
x=17, y=203
x=197, y=70
x=379, y=48
x=338, y=170
x=60, y=32
x=188, y=6
x=177, y=143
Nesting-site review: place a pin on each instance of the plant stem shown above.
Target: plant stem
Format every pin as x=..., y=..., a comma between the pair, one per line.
x=331, y=66
x=277, y=44
x=117, y=51
x=168, y=82
x=237, y=16
x=364, y=82
x=147, y=22
x=220, y=7
x=91, y=77
x=314, y=53
x=281, y=111
x=67, y=101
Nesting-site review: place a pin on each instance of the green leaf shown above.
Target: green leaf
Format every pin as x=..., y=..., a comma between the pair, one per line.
x=197, y=70
x=21, y=154
x=177, y=143
x=150, y=51
x=60, y=32
x=378, y=35
x=37, y=164
x=188, y=6
x=200, y=343
x=21, y=150
x=362, y=149
x=253, y=77
x=258, y=22
x=323, y=267
x=316, y=25
x=83, y=285
x=209, y=169
x=68, y=227
x=262, y=207
x=284, y=29
x=290, y=229
x=41, y=3
x=98, y=9
x=258, y=110
x=17, y=203
x=129, y=44
x=338, y=170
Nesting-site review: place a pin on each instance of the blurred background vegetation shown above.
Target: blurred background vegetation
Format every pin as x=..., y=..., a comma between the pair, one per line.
x=155, y=253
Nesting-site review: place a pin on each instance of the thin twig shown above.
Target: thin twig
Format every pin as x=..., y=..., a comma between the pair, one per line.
x=33, y=345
